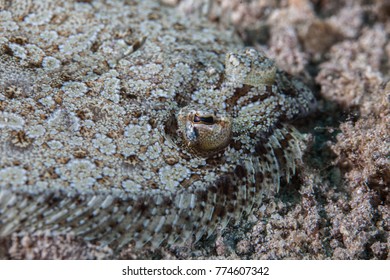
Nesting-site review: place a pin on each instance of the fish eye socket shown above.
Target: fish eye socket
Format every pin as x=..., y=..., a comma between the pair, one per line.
x=205, y=120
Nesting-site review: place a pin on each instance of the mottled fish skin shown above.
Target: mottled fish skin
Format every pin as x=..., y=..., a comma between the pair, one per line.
x=94, y=104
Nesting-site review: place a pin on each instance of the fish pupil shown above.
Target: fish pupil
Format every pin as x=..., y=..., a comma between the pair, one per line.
x=205, y=120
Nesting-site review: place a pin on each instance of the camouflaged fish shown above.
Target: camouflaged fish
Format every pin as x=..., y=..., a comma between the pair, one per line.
x=123, y=122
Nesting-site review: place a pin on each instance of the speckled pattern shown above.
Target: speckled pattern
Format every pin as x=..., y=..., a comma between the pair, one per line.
x=89, y=98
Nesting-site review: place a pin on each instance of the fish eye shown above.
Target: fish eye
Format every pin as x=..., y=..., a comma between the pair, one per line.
x=204, y=132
